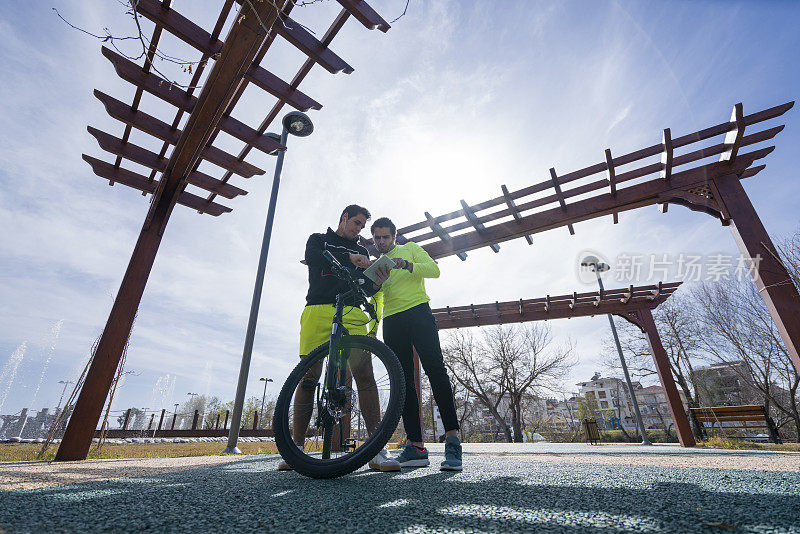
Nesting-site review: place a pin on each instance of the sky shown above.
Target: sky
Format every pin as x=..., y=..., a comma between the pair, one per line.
x=456, y=99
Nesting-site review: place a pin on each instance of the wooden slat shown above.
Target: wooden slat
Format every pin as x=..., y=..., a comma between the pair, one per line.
x=560, y=195
x=132, y=73
x=365, y=15
x=281, y=90
x=152, y=160
x=142, y=183
x=163, y=131
x=514, y=211
x=130, y=151
x=611, y=176
x=310, y=46
x=444, y=236
x=733, y=139
x=470, y=215
x=179, y=26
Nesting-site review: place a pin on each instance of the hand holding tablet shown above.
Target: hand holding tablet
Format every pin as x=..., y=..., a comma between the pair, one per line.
x=372, y=271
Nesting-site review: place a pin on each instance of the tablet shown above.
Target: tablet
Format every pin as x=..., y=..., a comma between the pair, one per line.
x=370, y=272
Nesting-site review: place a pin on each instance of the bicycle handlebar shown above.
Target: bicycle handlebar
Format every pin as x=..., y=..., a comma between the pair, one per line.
x=354, y=285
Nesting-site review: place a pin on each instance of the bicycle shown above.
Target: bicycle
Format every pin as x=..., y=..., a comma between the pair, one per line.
x=326, y=450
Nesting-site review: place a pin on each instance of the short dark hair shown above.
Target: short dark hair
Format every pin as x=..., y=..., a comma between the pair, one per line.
x=354, y=209
x=384, y=222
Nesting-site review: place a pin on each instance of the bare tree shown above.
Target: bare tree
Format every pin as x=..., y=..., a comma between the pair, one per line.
x=681, y=336
x=510, y=362
x=738, y=331
x=471, y=367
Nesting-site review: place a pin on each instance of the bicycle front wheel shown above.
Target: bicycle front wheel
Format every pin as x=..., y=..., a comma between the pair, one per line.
x=326, y=431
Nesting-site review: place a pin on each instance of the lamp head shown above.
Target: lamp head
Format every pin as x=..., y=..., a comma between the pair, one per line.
x=594, y=263
x=298, y=124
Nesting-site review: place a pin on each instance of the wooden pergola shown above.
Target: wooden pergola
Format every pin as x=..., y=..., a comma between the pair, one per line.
x=633, y=303
x=234, y=64
x=700, y=170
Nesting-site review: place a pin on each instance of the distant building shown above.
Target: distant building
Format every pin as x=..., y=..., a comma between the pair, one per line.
x=653, y=406
x=614, y=406
x=721, y=384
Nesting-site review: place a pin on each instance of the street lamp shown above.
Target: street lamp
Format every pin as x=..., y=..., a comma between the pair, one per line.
x=263, y=398
x=594, y=263
x=300, y=125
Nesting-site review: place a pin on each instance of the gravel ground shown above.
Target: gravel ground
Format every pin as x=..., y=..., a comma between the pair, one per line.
x=493, y=494
x=29, y=475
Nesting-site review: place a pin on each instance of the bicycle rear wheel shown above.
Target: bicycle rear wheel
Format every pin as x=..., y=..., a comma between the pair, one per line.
x=347, y=433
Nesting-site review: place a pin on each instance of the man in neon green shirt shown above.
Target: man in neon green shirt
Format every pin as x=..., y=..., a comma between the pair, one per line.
x=408, y=324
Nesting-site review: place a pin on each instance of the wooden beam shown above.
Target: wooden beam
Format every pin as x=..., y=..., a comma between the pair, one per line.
x=365, y=15
x=553, y=307
x=298, y=36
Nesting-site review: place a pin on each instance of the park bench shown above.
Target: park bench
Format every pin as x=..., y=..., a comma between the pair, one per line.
x=590, y=431
x=735, y=417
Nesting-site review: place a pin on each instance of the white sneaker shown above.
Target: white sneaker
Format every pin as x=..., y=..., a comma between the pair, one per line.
x=283, y=466
x=384, y=462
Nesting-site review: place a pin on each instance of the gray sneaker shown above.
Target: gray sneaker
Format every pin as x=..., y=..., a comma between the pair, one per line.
x=452, y=454
x=413, y=457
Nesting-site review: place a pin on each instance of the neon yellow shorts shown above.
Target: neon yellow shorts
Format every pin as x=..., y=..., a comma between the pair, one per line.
x=316, y=324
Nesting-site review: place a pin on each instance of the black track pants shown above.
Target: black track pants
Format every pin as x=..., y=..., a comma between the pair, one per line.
x=411, y=329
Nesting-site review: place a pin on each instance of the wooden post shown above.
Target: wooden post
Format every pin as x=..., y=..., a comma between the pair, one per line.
x=216, y=424
x=225, y=425
x=127, y=419
x=770, y=275
x=661, y=360
x=174, y=416
x=255, y=419
x=194, y=421
x=150, y=424
x=161, y=419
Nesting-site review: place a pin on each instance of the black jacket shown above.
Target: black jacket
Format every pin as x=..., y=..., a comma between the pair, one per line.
x=323, y=284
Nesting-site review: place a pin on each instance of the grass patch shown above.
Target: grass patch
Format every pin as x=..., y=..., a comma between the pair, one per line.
x=16, y=452
x=720, y=442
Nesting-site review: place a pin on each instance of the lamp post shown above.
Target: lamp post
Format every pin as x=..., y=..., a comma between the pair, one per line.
x=263, y=398
x=300, y=125
x=598, y=267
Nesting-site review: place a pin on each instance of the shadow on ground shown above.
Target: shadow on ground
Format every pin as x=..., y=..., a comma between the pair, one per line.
x=493, y=495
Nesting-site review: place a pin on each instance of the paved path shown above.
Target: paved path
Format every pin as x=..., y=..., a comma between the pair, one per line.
x=523, y=491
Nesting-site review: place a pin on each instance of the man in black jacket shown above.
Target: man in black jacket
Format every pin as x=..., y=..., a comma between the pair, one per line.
x=317, y=319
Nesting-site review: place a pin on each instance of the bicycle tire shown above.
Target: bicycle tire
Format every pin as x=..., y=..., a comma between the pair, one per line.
x=335, y=467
